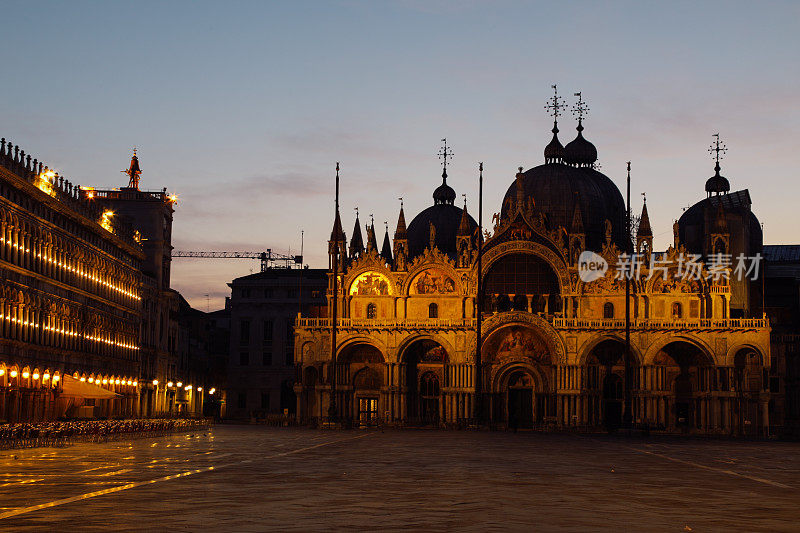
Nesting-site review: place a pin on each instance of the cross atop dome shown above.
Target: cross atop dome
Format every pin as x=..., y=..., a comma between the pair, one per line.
x=717, y=147
x=580, y=109
x=555, y=104
x=443, y=154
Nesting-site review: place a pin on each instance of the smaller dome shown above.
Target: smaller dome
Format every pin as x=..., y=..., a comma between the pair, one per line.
x=580, y=152
x=717, y=184
x=444, y=194
x=554, y=152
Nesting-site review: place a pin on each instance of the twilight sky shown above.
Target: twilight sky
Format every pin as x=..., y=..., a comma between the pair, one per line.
x=243, y=108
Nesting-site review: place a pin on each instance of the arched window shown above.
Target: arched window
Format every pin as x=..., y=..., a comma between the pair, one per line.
x=433, y=311
x=677, y=310
x=372, y=311
x=608, y=310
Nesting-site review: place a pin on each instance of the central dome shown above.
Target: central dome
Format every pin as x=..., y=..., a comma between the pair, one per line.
x=556, y=188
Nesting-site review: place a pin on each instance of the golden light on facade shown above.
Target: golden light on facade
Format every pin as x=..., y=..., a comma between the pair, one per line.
x=180, y=384
x=45, y=182
x=26, y=375
x=135, y=383
x=56, y=378
x=2, y=371
x=46, y=376
x=91, y=380
x=199, y=389
x=13, y=373
x=212, y=390
x=35, y=375
x=155, y=382
x=83, y=378
x=105, y=381
x=105, y=219
x=169, y=384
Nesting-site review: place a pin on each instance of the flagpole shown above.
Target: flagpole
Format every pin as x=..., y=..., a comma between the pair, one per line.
x=478, y=377
x=628, y=418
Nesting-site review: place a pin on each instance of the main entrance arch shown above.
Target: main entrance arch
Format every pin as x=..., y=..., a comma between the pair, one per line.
x=520, y=368
x=424, y=361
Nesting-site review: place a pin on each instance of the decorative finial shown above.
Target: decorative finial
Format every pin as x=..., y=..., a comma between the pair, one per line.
x=386, y=225
x=401, y=202
x=519, y=169
x=465, y=199
x=134, y=151
x=629, y=169
x=337, y=168
x=356, y=210
x=644, y=197
x=371, y=220
x=443, y=154
x=480, y=167
x=554, y=106
x=580, y=110
x=716, y=150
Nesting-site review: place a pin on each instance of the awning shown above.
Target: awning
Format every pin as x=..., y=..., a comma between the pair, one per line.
x=75, y=388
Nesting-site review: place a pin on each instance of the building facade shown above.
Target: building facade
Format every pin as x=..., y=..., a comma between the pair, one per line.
x=151, y=213
x=70, y=297
x=261, y=366
x=551, y=350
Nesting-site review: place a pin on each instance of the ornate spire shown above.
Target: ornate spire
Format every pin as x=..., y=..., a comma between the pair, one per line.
x=644, y=229
x=444, y=194
x=356, y=241
x=463, y=226
x=717, y=184
x=400, y=232
x=372, y=241
x=133, y=172
x=554, y=152
x=386, y=249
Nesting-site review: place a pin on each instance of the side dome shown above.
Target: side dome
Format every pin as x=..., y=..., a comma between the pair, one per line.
x=445, y=219
x=556, y=188
x=579, y=151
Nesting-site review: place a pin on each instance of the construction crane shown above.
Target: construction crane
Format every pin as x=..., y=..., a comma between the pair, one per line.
x=268, y=258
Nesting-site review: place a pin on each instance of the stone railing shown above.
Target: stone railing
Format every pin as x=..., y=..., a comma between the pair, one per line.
x=558, y=323
x=656, y=323
x=388, y=323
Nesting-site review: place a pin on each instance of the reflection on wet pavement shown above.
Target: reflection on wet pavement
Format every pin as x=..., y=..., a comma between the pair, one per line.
x=257, y=479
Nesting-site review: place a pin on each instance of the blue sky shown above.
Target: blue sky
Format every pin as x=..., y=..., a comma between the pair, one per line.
x=243, y=108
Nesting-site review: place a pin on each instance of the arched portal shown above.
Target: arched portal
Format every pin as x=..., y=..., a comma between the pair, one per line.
x=424, y=378
x=683, y=375
x=748, y=383
x=523, y=282
x=520, y=367
x=605, y=383
x=360, y=377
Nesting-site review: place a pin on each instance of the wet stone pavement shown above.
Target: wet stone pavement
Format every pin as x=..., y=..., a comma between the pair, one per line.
x=247, y=478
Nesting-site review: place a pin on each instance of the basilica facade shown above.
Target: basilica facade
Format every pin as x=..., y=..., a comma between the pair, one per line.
x=550, y=351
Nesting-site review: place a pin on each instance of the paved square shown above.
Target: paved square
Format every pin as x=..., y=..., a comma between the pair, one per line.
x=248, y=478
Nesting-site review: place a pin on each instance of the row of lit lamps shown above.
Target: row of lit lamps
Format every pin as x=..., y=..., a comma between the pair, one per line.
x=74, y=270
x=105, y=381
x=187, y=388
x=25, y=375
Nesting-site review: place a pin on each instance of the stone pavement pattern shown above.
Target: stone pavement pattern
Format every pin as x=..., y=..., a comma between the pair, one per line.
x=247, y=478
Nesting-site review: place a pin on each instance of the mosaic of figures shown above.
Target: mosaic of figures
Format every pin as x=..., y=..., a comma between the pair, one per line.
x=433, y=281
x=371, y=284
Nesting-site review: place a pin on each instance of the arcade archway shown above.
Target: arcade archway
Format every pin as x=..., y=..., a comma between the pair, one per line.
x=425, y=362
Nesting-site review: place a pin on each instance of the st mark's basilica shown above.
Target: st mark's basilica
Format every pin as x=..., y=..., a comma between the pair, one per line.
x=404, y=316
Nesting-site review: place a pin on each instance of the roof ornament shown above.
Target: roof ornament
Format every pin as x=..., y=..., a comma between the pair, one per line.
x=133, y=172
x=444, y=194
x=554, y=106
x=580, y=110
x=717, y=184
x=465, y=199
x=717, y=147
x=554, y=152
x=443, y=154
